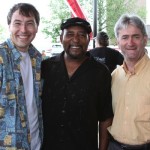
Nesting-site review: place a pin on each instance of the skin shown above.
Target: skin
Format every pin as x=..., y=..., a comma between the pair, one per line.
x=23, y=30
x=97, y=44
x=75, y=41
x=132, y=43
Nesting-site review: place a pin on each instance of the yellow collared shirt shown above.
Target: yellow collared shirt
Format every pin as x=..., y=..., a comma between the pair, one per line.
x=131, y=103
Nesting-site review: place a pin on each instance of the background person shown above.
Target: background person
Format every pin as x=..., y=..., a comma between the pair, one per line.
x=20, y=106
x=102, y=53
x=76, y=94
x=130, y=88
x=44, y=55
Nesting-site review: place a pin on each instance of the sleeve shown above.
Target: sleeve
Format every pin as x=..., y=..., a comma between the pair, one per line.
x=105, y=103
x=44, y=65
x=1, y=72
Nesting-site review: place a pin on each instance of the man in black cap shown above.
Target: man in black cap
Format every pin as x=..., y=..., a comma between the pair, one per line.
x=76, y=94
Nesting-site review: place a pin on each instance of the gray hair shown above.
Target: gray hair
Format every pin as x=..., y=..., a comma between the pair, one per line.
x=126, y=20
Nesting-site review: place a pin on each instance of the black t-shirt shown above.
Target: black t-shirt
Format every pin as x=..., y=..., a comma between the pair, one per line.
x=73, y=106
x=108, y=56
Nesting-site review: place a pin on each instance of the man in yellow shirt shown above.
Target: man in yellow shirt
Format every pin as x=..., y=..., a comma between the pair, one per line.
x=130, y=129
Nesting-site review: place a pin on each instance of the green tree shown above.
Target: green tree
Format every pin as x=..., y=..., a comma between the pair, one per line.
x=2, y=33
x=115, y=8
x=108, y=11
x=58, y=12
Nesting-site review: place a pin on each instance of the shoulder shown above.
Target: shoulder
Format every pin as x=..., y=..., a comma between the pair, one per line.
x=97, y=49
x=114, y=51
x=3, y=46
x=99, y=66
x=51, y=60
x=49, y=64
x=33, y=51
x=117, y=71
x=3, y=50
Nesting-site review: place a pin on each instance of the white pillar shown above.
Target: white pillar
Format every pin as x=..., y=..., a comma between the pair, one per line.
x=148, y=12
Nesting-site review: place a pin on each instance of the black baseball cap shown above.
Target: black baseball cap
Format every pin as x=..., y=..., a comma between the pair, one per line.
x=76, y=22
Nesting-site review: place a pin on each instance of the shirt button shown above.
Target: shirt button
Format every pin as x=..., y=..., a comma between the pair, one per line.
x=62, y=125
x=63, y=111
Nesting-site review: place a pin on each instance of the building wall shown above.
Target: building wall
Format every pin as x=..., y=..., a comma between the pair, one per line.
x=146, y=4
x=148, y=12
x=141, y=2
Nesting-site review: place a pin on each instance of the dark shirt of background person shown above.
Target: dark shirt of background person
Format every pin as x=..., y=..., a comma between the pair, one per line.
x=102, y=53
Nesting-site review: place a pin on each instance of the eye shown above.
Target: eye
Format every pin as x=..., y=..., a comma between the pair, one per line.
x=30, y=24
x=124, y=37
x=17, y=24
x=82, y=34
x=136, y=37
x=70, y=34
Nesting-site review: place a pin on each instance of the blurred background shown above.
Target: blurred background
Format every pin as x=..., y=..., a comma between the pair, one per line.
x=53, y=12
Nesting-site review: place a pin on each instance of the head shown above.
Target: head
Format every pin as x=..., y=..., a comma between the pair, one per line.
x=75, y=37
x=131, y=35
x=23, y=21
x=102, y=39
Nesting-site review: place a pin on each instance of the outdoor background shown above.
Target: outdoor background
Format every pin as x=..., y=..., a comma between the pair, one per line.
x=54, y=10
x=41, y=42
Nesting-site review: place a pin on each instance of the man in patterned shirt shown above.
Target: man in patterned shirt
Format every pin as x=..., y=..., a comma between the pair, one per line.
x=20, y=105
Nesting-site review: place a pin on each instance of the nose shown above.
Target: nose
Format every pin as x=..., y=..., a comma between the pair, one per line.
x=131, y=41
x=76, y=38
x=23, y=28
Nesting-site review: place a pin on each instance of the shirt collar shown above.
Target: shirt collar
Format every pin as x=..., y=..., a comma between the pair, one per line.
x=139, y=65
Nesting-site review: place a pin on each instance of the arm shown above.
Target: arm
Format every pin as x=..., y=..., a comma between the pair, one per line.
x=103, y=134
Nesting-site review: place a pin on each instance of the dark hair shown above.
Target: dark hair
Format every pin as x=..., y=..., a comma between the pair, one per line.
x=102, y=38
x=26, y=10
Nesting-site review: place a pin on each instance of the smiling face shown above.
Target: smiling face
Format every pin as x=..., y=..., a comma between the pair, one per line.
x=75, y=41
x=23, y=30
x=132, y=43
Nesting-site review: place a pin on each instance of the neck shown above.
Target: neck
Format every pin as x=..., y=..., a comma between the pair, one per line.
x=70, y=59
x=22, y=49
x=130, y=64
x=73, y=64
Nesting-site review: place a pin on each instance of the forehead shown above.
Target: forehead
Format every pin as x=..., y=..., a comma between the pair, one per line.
x=129, y=30
x=18, y=16
x=75, y=29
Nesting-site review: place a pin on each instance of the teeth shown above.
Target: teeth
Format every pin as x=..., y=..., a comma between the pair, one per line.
x=75, y=46
x=23, y=36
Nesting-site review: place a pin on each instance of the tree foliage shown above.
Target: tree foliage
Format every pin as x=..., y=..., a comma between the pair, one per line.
x=2, y=32
x=113, y=12
x=108, y=12
x=58, y=12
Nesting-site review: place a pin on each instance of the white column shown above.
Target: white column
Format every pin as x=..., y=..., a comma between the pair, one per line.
x=148, y=12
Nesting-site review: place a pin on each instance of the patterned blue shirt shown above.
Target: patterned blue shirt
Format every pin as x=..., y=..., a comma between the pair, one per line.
x=14, y=125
